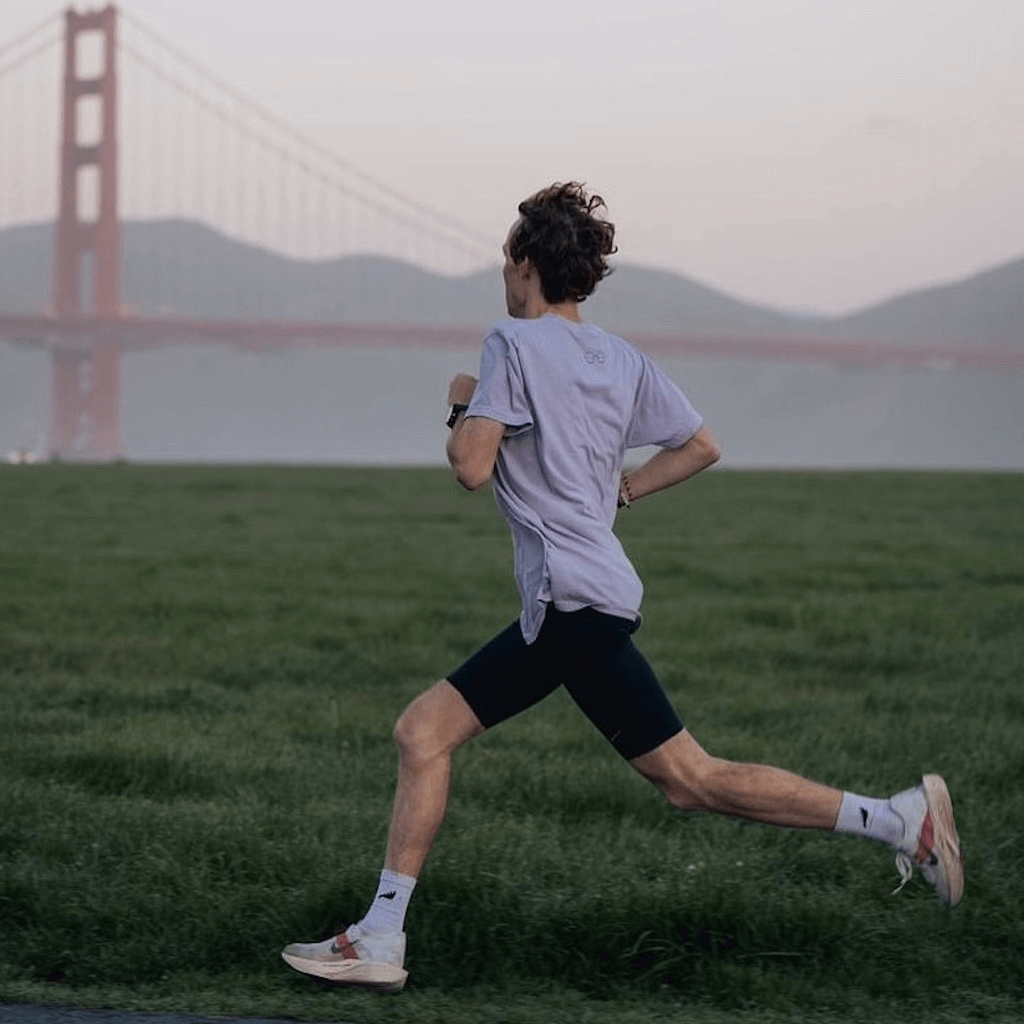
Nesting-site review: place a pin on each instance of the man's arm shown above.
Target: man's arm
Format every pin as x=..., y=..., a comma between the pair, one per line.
x=473, y=443
x=671, y=466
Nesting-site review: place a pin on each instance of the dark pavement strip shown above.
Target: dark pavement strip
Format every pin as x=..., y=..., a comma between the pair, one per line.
x=40, y=1013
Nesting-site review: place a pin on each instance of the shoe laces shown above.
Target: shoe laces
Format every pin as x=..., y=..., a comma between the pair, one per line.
x=905, y=866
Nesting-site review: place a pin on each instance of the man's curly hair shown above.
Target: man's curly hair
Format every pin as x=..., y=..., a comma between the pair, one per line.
x=565, y=241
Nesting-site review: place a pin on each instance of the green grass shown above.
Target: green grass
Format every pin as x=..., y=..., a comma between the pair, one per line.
x=199, y=668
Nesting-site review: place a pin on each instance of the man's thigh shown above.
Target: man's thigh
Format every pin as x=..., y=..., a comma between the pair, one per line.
x=615, y=686
x=506, y=676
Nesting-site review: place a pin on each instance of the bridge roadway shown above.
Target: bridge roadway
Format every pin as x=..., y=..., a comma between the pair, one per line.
x=133, y=332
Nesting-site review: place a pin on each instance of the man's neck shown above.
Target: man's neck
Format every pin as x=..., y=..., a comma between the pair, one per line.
x=537, y=306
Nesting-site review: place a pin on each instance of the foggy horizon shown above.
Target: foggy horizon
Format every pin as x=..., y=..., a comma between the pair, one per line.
x=811, y=157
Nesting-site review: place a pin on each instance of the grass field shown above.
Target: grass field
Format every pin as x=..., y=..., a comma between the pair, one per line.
x=199, y=668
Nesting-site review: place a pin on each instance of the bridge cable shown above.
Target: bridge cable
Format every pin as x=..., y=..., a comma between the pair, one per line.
x=24, y=37
x=450, y=223
x=277, y=148
x=24, y=58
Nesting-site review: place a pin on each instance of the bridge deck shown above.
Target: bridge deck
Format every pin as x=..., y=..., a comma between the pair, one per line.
x=144, y=332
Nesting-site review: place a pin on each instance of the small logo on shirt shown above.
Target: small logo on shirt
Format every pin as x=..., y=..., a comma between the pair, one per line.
x=594, y=357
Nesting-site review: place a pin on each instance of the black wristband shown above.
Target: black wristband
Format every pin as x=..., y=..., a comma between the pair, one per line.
x=457, y=410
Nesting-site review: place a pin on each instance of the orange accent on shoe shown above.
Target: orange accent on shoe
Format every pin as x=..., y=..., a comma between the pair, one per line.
x=344, y=947
x=926, y=839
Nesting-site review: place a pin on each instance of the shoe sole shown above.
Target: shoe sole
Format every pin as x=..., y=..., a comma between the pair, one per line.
x=946, y=840
x=381, y=977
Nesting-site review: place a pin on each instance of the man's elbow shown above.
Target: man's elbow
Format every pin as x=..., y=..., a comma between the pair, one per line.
x=707, y=450
x=712, y=453
x=473, y=450
x=472, y=480
x=470, y=474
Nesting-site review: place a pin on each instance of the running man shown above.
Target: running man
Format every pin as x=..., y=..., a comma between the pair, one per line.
x=557, y=405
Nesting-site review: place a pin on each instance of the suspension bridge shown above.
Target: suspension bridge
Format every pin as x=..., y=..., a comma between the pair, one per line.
x=140, y=132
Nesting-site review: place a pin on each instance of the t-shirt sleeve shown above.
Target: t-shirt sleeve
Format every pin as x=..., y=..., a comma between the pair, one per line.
x=501, y=393
x=662, y=414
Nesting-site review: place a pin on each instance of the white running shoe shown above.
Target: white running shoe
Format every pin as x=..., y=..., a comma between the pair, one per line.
x=352, y=958
x=930, y=840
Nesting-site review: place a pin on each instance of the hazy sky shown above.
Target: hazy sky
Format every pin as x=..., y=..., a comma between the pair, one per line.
x=810, y=154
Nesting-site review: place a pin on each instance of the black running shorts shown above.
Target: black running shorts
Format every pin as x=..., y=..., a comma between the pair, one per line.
x=589, y=653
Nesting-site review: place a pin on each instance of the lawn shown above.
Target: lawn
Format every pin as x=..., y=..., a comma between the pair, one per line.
x=199, y=668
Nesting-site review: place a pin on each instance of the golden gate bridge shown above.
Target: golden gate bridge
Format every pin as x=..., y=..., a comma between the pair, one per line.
x=200, y=150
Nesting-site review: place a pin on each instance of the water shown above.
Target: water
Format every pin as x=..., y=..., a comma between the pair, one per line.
x=387, y=407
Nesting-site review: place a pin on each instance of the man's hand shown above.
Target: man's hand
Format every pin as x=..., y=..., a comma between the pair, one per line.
x=671, y=466
x=460, y=390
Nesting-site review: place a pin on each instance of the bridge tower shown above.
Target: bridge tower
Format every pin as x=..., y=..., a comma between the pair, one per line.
x=85, y=378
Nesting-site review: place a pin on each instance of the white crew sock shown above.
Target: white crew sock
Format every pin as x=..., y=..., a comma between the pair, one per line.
x=386, y=915
x=867, y=816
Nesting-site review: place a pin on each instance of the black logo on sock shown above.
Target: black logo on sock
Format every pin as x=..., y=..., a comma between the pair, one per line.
x=388, y=895
x=864, y=816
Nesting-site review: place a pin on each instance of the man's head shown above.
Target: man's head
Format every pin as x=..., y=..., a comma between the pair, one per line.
x=564, y=240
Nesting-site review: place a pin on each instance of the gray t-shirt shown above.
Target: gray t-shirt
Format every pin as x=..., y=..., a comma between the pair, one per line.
x=573, y=398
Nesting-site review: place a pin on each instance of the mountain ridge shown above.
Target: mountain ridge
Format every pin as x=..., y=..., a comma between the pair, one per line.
x=203, y=273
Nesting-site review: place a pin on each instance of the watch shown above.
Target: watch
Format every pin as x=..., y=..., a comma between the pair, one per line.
x=457, y=410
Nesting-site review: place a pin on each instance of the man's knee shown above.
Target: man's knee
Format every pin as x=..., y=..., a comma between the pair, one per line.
x=414, y=729
x=691, y=786
x=683, y=771
x=434, y=724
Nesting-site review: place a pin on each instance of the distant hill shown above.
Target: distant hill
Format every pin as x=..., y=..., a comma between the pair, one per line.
x=638, y=298
x=186, y=268
x=26, y=266
x=203, y=273
x=983, y=311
